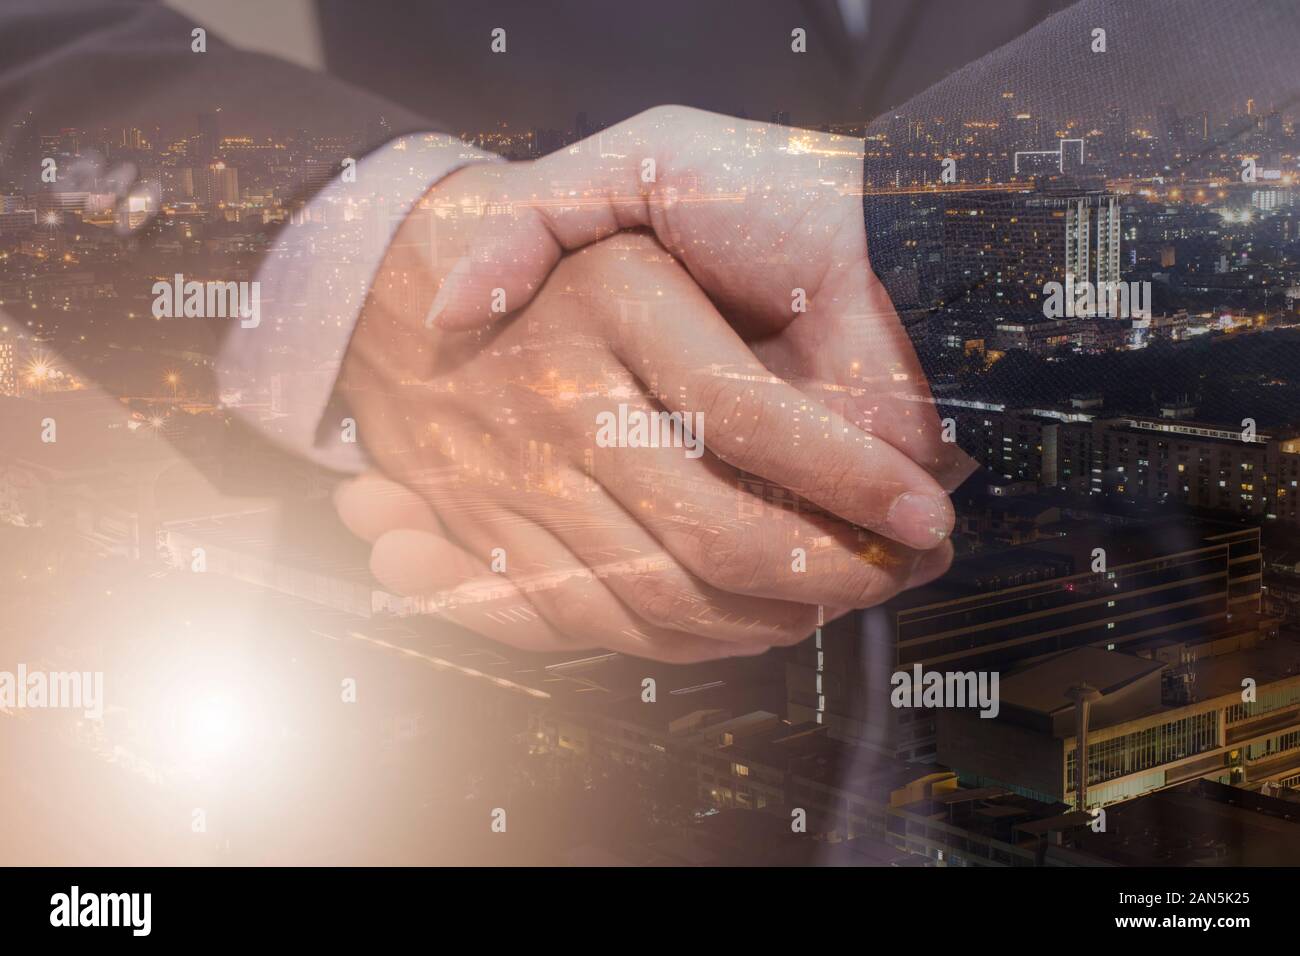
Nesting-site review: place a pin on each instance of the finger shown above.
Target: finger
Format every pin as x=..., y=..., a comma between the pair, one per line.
x=574, y=600
x=743, y=536
x=457, y=586
x=508, y=258
x=679, y=346
x=853, y=354
x=610, y=543
x=653, y=585
x=413, y=557
x=371, y=505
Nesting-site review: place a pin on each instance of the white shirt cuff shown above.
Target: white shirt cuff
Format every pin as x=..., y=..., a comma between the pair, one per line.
x=279, y=373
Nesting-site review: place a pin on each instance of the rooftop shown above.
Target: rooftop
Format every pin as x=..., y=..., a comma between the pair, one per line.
x=1044, y=688
x=1266, y=662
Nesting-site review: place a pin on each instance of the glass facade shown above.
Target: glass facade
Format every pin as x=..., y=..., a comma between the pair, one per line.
x=1274, y=698
x=1144, y=749
x=1274, y=745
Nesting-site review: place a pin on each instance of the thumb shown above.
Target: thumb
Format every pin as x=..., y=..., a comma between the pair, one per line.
x=508, y=254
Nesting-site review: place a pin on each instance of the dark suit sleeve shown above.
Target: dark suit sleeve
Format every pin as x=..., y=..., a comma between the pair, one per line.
x=98, y=64
x=1162, y=59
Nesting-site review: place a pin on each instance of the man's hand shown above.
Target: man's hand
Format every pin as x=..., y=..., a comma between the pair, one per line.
x=768, y=221
x=642, y=549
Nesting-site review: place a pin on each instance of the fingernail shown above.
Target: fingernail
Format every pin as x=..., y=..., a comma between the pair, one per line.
x=920, y=521
x=445, y=293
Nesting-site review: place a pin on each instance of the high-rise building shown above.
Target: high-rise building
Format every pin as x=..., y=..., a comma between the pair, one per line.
x=1116, y=128
x=204, y=147
x=69, y=141
x=132, y=139
x=219, y=184
x=1092, y=239
x=17, y=222
x=23, y=164
x=1001, y=251
x=8, y=366
x=1171, y=127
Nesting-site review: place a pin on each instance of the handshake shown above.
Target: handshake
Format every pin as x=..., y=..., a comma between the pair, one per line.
x=646, y=394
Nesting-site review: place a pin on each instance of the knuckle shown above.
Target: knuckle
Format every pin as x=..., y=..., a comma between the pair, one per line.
x=573, y=611
x=727, y=558
x=875, y=575
x=659, y=604
x=832, y=479
x=738, y=415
